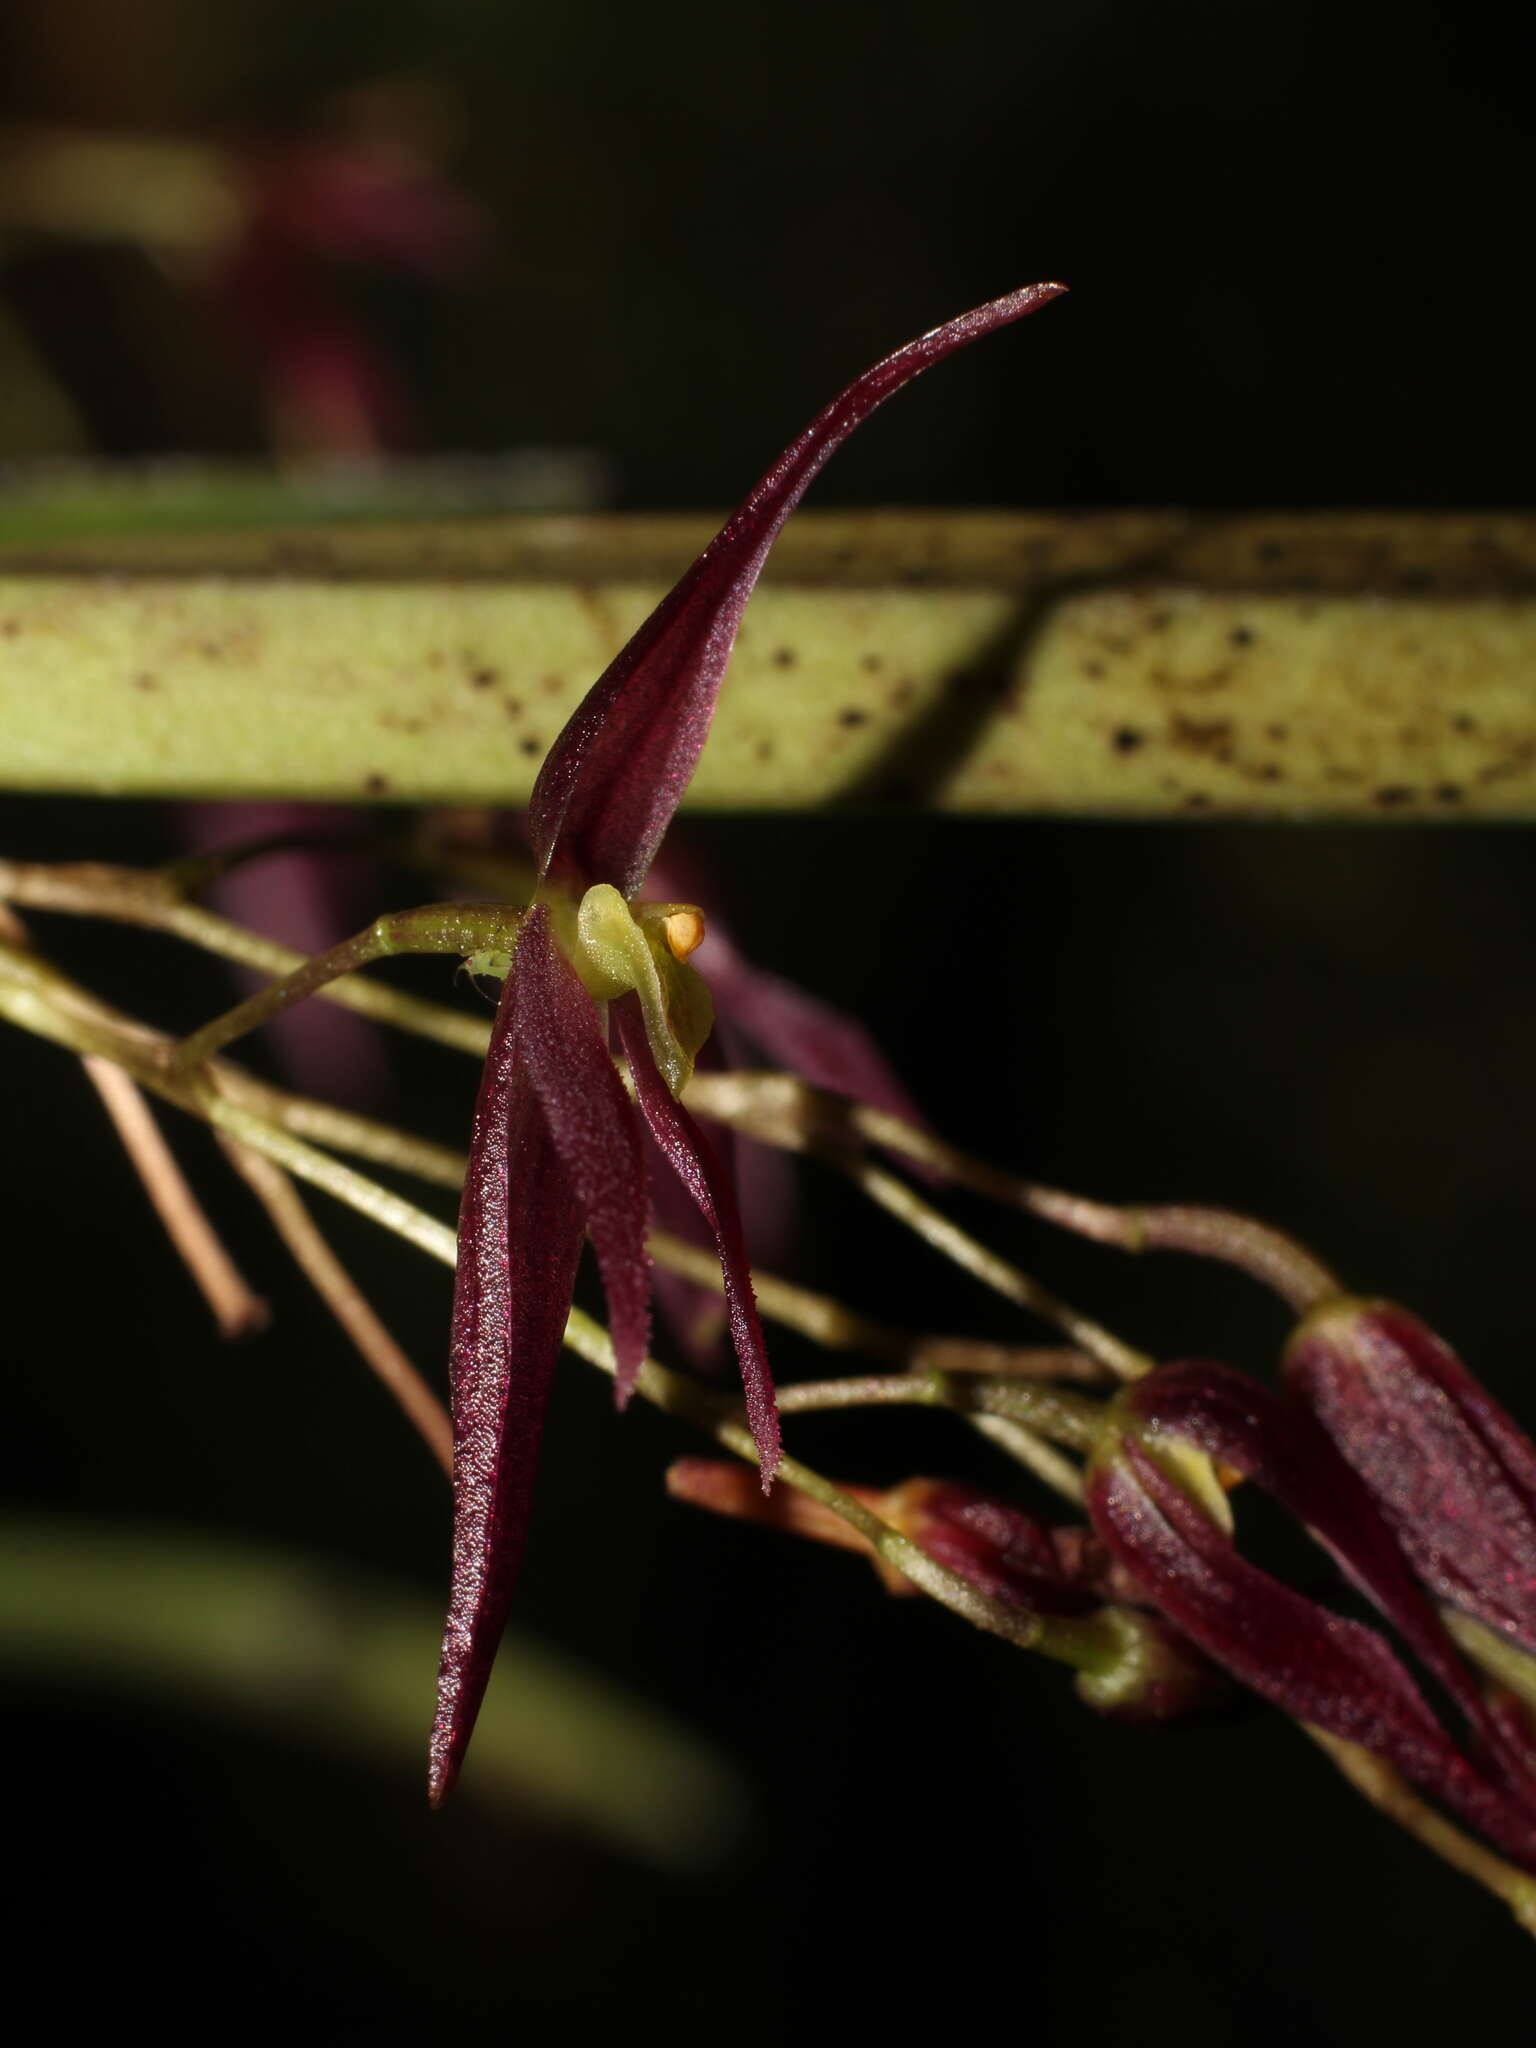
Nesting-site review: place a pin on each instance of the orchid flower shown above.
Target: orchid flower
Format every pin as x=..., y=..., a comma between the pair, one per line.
x=557, y=1149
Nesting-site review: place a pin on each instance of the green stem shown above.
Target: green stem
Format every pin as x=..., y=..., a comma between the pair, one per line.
x=459, y=928
x=1069, y=1419
x=148, y=899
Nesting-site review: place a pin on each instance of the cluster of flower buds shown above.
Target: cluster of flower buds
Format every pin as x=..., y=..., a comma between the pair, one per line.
x=1171, y=1447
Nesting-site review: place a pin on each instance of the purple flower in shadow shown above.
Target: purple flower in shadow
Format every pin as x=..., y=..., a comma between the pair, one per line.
x=557, y=1147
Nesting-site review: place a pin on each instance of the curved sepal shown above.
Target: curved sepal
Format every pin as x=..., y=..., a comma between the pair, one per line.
x=612, y=780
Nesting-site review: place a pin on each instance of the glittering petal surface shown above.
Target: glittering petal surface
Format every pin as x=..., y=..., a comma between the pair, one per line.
x=520, y=1234
x=689, y=1153
x=600, y=1140
x=1318, y=1666
x=1447, y=1467
x=614, y=777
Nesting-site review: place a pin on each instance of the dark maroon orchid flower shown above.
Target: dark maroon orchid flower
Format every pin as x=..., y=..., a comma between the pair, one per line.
x=556, y=1151
x=1451, y=1473
x=1155, y=1496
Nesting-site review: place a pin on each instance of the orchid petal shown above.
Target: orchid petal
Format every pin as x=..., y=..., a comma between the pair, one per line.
x=511, y=1295
x=694, y=1162
x=1317, y=1666
x=612, y=780
x=594, y=1128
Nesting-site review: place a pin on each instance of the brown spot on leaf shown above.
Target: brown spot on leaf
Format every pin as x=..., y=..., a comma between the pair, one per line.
x=1448, y=792
x=1242, y=636
x=784, y=657
x=852, y=715
x=872, y=663
x=1127, y=738
x=1093, y=670
x=1202, y=736
x=1394, y=794
x=530, y=745
x=763, y=750
x=145, y=681
x=482, y=678
x=375, y=784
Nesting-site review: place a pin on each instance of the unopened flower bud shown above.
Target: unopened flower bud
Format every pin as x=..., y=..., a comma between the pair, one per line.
x=1445, y=1465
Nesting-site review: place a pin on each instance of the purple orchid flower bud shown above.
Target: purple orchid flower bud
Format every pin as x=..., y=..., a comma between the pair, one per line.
x=1155, y=1497
x=1448, y=1469
x=556, y=1150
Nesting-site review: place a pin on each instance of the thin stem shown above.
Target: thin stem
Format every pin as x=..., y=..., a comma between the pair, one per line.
x=903, y=1201
x=342, y=1130
x=1386, y=1791
x=346, y=1301
x=1067, y=1418
x=436, y=928
x=304, y=1162
x=147, y=899
x=236, y=1308
x=1018, y=1426
x=1268, y=1255
x=780, y=1109
x=828, y=1323
x=1034, y=1454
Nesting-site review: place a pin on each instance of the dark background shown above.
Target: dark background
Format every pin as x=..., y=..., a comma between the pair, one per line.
x=1298, y=242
